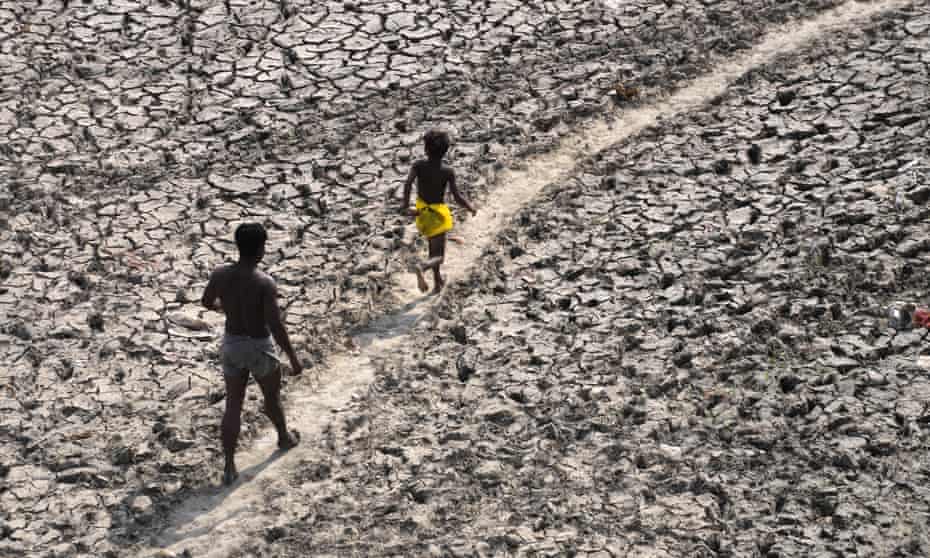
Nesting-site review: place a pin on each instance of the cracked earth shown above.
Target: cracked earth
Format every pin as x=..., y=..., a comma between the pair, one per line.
x=679, y=348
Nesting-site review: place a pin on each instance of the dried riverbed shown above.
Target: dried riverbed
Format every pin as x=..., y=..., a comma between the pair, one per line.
x=679, y=351
x=755, y=402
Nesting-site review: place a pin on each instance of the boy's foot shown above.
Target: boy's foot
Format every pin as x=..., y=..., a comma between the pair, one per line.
x=230, y=474
x=421, y=281
x=292, y=439
x=438, y=287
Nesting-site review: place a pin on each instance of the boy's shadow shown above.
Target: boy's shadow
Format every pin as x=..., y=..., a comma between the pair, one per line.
x=202, y=501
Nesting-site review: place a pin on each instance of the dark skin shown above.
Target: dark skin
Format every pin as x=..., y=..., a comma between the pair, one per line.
x=432, y=178
x=248, y=297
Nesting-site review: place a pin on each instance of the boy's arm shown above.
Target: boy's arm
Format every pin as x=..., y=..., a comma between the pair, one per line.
x=276, y=325
x=211, y=293
x=408, y=186
x=459, y=198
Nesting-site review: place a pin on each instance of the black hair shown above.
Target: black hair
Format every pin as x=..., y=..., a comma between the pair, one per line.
x=250, y=239
x=437, y=143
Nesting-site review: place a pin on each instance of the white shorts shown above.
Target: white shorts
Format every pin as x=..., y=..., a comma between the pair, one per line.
x=241, y=354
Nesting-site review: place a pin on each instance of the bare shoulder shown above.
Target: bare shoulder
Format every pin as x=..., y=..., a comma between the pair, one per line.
x=220, y=272
x=266, y=282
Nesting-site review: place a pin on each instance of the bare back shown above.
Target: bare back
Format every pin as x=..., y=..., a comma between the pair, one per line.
x=243, y=291
x=432, y=179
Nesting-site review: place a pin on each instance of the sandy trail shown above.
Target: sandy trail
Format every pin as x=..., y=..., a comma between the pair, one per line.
x=216, y=521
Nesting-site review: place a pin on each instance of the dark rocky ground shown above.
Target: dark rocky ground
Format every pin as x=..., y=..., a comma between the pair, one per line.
x=678, y=351
x=755, y=393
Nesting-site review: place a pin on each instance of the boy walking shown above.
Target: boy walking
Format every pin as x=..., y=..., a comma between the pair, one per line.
x=248, y=297
x=433, y=218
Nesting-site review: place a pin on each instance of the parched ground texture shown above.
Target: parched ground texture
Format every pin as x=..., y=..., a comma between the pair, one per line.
x=676, y=352
x=755, y=404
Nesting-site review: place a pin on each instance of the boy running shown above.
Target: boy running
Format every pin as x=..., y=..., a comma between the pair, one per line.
x=433, y=217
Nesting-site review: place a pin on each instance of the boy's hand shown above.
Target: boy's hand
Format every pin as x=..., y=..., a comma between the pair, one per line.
x=413, y=212
x=296, y=367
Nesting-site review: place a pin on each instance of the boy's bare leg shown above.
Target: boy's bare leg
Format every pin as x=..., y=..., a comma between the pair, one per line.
x=437, y=254
x=437, y=249
x=235, y=394
x=438, y=281
x=421, y=281
x=271, y=389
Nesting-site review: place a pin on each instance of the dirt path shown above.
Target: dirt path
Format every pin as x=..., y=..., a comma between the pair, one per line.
x=216, y=521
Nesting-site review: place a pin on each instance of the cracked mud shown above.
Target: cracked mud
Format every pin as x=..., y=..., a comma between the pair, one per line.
x=679, y=350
